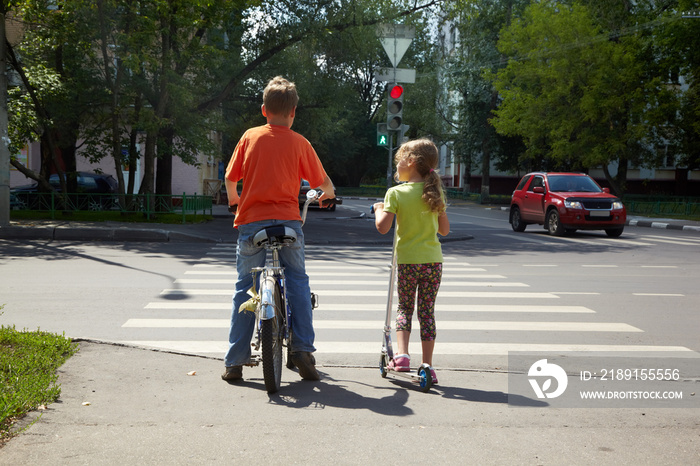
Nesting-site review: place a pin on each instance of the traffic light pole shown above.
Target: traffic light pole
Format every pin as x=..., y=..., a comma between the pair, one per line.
x=390, y=162
x=4, y=139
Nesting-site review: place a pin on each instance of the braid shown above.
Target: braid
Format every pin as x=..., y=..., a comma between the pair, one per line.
x=432, y=192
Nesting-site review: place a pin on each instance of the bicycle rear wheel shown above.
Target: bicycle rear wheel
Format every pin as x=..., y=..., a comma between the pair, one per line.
x=271, y=336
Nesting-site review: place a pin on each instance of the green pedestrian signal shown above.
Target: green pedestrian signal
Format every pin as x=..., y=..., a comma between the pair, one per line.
x=382, y=135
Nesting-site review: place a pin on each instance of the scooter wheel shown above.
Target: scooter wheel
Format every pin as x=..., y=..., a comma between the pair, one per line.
x=382, y=365
x=425, y=378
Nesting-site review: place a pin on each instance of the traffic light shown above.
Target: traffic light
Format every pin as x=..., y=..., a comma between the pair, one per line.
x=382, y=134
x=394, y=118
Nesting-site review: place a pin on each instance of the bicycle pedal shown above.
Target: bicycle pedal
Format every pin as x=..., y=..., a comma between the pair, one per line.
x=253, y=361
x=314, y=300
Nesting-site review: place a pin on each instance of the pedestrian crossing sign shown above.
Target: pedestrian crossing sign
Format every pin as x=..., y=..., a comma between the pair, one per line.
x=382, y=135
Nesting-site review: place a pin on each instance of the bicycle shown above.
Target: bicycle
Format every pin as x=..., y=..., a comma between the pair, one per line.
x=273, y=322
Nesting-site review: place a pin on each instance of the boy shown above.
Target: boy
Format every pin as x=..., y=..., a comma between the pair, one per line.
x=272, y=159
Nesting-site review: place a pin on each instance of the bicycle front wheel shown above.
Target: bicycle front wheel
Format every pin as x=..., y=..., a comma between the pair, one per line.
x=271, y=336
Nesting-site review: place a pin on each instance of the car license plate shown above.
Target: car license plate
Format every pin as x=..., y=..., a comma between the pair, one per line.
x=599, y=213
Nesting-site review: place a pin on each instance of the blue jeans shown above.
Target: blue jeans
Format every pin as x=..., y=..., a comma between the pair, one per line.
x=298, y=292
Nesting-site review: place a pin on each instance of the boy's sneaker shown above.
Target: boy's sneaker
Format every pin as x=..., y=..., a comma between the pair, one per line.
x=401, y=363
x=232, y=373
x=306, y=363
x=433, y=375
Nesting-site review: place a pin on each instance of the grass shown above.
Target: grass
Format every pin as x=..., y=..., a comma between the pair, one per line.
x=28, y=379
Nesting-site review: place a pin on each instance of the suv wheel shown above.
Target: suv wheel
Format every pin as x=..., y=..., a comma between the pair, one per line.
x=553, y=223
x=614, y=232
x=516, y=221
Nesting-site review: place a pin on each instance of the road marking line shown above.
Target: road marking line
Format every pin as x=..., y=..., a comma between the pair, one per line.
x=363, y=347
x=553, y=240
x=372, y=293
x=342, y=273
x=505, y=326
x=526, y=239
x=440, y=308
x=691, y=240
x=659, y=294
x=669, y=241
x=381, y=307
x=217, y=281
x=624, y=241
x=191, y=306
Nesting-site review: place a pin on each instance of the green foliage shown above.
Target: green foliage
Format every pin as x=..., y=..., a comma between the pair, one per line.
x=168, y=75
x=579, y=96
x=476, y=141
x=28, y=363
x=677, y=43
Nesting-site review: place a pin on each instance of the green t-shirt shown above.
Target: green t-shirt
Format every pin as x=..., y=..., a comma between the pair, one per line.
x=416, y=225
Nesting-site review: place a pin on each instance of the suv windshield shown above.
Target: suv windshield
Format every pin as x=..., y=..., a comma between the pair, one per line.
x=571, y=184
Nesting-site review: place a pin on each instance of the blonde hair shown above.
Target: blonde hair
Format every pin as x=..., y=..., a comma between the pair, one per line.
x=424, y=154
x=280, y=96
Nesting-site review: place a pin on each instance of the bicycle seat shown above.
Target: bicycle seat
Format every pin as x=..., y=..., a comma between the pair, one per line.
x=274, y=234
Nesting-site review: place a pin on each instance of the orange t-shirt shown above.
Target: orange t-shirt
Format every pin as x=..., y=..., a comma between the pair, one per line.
x=272, y=160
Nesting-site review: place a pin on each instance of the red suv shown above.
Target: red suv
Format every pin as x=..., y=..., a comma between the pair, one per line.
x=564, y=203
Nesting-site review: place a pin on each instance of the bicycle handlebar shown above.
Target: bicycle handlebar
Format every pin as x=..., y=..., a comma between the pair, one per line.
x=312, y=195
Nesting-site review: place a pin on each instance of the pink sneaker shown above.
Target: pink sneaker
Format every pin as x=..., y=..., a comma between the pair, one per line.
x=434, y=376
x=401, y=363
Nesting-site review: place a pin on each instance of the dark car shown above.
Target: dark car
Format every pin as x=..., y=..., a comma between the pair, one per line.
x=304, y=188
x=90, y=183
x=564, y=203
x=87, y=183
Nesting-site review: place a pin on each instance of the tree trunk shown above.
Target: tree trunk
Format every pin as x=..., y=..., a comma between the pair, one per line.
x=149, y=164
x=164, y=168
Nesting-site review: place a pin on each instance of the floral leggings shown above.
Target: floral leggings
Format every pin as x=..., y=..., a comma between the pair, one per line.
x=425, y=278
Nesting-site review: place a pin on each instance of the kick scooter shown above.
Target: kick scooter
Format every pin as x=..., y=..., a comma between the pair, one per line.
x=423, y=375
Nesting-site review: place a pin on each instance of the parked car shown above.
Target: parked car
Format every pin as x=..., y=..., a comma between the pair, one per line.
x=15, y=204
x=87, y=183
x=564, y=203
x=304, y=188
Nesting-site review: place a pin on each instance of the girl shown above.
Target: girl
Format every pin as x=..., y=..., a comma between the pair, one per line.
x=419, y=206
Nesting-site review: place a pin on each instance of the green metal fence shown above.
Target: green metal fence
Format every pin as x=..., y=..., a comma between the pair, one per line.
x=149, y=205
x=687, y=209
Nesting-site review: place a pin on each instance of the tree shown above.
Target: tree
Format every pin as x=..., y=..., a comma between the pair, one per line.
x=579, y=95
x=476, y=140
x=56, y=92
x=677, y=44
x=172, y=68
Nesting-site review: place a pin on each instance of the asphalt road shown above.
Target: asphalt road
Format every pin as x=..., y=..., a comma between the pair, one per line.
x=164, y=307
x=586, y=289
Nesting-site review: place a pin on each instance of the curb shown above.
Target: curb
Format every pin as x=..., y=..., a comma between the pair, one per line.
x=662, y=225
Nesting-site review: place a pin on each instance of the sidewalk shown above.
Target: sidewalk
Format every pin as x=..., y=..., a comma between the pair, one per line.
x=123, y=405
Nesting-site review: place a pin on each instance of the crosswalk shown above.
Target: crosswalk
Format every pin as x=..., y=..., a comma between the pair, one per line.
x=628, y=239
x=479, y=312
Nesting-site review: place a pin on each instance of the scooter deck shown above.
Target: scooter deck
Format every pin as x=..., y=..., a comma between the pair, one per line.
x=422, y=375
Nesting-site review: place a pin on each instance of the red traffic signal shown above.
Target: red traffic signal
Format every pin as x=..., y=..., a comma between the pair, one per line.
x=396, y=91
x=395, y=107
